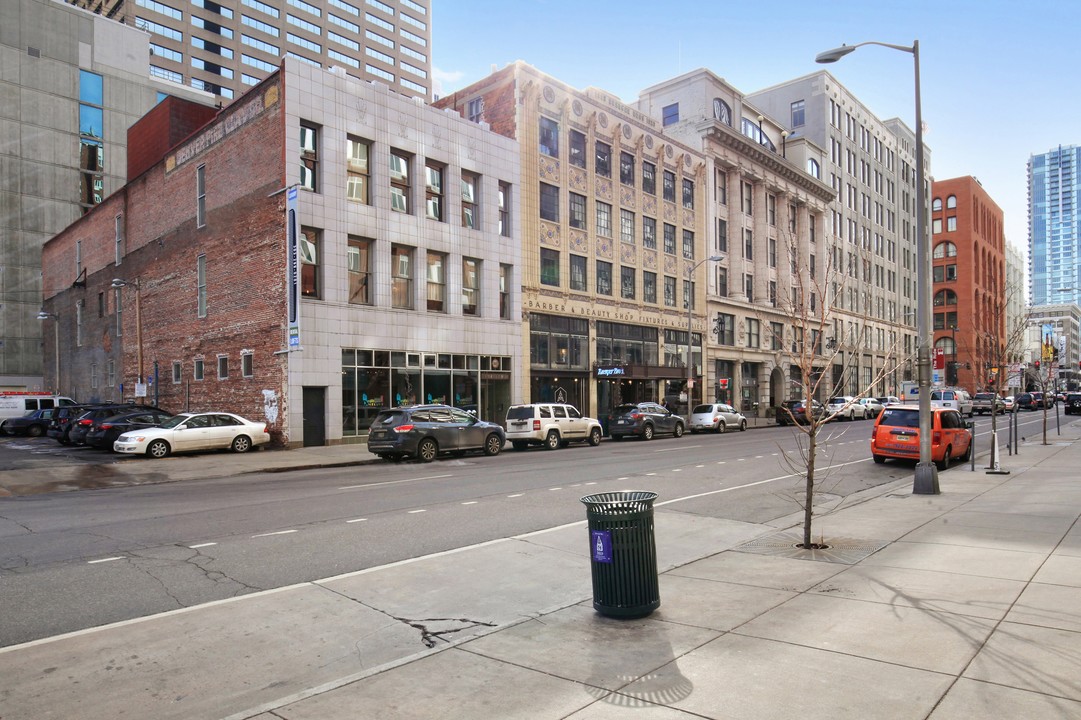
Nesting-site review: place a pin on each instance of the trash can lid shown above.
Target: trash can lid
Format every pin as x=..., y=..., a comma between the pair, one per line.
x=623, y=500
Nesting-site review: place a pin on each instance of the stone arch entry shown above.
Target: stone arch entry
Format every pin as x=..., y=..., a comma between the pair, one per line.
x=777, y=384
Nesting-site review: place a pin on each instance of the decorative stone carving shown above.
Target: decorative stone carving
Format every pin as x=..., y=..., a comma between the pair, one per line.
x=604, y=189
x=549, y=235
x=604, y=248
x=549, y=94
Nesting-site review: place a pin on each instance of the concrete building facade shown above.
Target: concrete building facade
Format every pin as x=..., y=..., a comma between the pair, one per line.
x=968, y=259
x=341, y=248
x=225, y=46
x=71, y=83
x=1054, y=226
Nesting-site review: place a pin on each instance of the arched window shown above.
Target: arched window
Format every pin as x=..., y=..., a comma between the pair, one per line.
x=945, y=297
x=722, y=112
x=946, y=345
x=951, y=202
x=814, y=169
x=944, y=250
x=936, y=204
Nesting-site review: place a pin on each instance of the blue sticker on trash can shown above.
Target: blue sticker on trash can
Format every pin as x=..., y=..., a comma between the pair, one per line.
x=601, y=543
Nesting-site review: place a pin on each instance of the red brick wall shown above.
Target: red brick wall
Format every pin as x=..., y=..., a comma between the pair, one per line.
x=499, y=91
x=154, y=134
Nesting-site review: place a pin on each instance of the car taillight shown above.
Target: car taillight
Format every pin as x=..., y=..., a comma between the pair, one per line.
x=536, y=425
x=105, y=426
x=936, y=437
x=636, y=416
x=84, y=421
x=403, y=429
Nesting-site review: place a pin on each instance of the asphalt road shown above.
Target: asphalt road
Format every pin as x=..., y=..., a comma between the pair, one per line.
x=80, y=559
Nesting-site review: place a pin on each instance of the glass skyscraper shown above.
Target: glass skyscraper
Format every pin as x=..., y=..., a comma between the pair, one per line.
x=1054, y=246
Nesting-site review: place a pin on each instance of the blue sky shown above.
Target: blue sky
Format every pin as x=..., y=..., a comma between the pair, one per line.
x=998, y=77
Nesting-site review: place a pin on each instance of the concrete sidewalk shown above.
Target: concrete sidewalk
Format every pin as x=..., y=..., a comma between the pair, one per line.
x=965, y=604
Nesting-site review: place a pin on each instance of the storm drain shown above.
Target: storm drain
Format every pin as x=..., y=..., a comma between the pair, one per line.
x=846, y=551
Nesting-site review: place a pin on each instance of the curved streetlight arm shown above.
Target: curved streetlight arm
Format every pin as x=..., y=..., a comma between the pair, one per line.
x=832, y=56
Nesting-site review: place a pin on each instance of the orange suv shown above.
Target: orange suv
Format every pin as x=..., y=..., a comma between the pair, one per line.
x=897, y=435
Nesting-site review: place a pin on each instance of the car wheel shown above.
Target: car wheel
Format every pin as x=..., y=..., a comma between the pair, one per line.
x=647, y=432
x=968, y=454
x=34, y=431
x=492, y=445
x=595, y=437
x=721, y=426
x=678, y=431
x=879, y=460
x=945, y=461
x=742, y=425
x=551, y=441
x=241, y=444
x=158, y=449
x=427, y=450
x=519, y=444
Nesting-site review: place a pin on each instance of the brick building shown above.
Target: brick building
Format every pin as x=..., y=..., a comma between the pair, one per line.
x=403, y=286
x=968, y=256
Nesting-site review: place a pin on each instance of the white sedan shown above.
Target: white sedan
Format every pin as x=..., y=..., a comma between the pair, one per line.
x=188, y=432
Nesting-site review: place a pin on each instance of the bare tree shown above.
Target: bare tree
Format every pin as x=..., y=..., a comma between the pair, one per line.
x=1003, y=344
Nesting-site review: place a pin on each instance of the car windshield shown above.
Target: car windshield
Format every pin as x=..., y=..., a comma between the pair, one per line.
x=624, y=409
x=837, y=401
x=175, y=420
x=702, y=409
x=897, y=417
x=392, y=417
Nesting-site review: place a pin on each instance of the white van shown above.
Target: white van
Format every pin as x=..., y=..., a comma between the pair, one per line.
x=17, y=404
x=952, y=398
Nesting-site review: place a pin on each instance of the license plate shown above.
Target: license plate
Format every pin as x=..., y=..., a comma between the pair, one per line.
x=377, y=433
x=621, y=422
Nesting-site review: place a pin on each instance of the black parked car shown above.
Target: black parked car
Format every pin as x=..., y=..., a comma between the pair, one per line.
x=33, y=423
x=61, y=423
x=644, y=419
x=425, y=431
x=104, y=432
x=1032, y=401
x=1072, y=403
x=82, y=424
x=794, y=412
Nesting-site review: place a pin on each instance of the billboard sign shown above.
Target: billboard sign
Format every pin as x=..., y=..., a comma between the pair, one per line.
x=292, y=229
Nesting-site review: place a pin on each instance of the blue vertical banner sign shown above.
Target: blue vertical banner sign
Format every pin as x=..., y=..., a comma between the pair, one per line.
x=292, y=279
x=601, y=542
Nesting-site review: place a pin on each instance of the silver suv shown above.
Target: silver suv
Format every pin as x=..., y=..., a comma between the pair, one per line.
x=552, y=425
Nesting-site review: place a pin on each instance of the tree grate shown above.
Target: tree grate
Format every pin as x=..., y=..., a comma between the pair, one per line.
x=846, y=551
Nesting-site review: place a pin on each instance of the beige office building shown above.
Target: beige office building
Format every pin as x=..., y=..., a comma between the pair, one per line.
x=226, y=46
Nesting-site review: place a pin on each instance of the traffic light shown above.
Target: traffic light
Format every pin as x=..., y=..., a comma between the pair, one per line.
x=1036, y=365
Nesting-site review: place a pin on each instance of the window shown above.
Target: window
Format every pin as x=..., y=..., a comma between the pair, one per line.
x=688, y=194
x=626, y=283
x=359, y=259
x=474, y=109
x=951, y=202
x=578, y=211
x=549, y=269
x=504, y=209
x=549, y=137
x=604, y=219
x=626, y=168
x=771, y=210
x=748, y=286
x=720, y=189
x=936, y=204
x=549, y=202
x=814, y=168
x=670, y=239
x=944, y=250
x=247, y=363
x=936, y=226
x=722, y=111
x=577, y=149
x=433, y=189
x=399, y=181
x=470, y=286
x=603, y=165
x=747, y=197
x=401, y=280
x=178, y=369
x=309, y=263
x=649, y=178
x=200, y=286
x=941, y=273
x=726, y=329
x=78, y=322
x=670, y=114
x=797, y=114
x=357, y=172
x=649, y=233
x=722, y=281
x=118, y=238
x=721, y=242
x=309, y=157
x=951, y=224
x=579, y=280
x=626, y=226
x=668, y=186
x=470, y=190
x=748, y=244
x=223, y=367
x=604, y=278
x=771, y=251
x=200, y=196
x=197, y=368
x=754, y=333
x=688, y=244
x=776, y=336
x=649, y=287
x=945, y=297
x=669, y=291
x=773, y=293
x=505, y=280
x=688, y=294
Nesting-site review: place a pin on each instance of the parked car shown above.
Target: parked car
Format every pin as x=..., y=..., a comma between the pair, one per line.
x=61, y=424
x=1009, y=403
x=716, y=417
x=1072, y=404
x=425, y=431
x=34, y=423
x=952, y=398
x=552, y=425
x=644, y=420
x=872, y=406
x=17, y=403
x=889, y=400
x=83, y=423
x=794, y=412
x=188, y=432
x=897, y=435
x=845, y=407
x=1031, y=401
x=986, y=402
x=103, y=433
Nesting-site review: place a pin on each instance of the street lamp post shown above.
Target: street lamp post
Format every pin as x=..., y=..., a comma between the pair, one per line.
x=690, y=304
x=118, y=283
x=44, y=315
x=926, y=477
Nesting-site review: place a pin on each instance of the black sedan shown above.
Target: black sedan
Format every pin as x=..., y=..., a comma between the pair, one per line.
x=103, y=433
x=33, y=424
x=644, y=420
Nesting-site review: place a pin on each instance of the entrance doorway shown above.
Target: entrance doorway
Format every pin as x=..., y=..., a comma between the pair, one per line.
x=315, y=416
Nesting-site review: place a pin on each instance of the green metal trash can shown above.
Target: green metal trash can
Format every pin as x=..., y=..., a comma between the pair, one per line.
x=623, y=553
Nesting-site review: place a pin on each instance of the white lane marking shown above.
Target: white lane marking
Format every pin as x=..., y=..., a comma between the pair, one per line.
x=516, y=495
x=357, y=520
x=280, y=532
x=699, y=466
x=617, y=480
x=414, y=512
x=201, y=545
x=108, y=559
x=650, y=474
x=591, y=483
x=721, y=462
x=396, y=482
x=740, y=459
x=550, y=489
x=677, y=449
x=676, y=469
x=471, y=502
x=758, y=457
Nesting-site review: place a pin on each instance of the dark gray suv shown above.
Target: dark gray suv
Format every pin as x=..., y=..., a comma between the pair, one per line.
x=644, y=420
x=425, y=431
